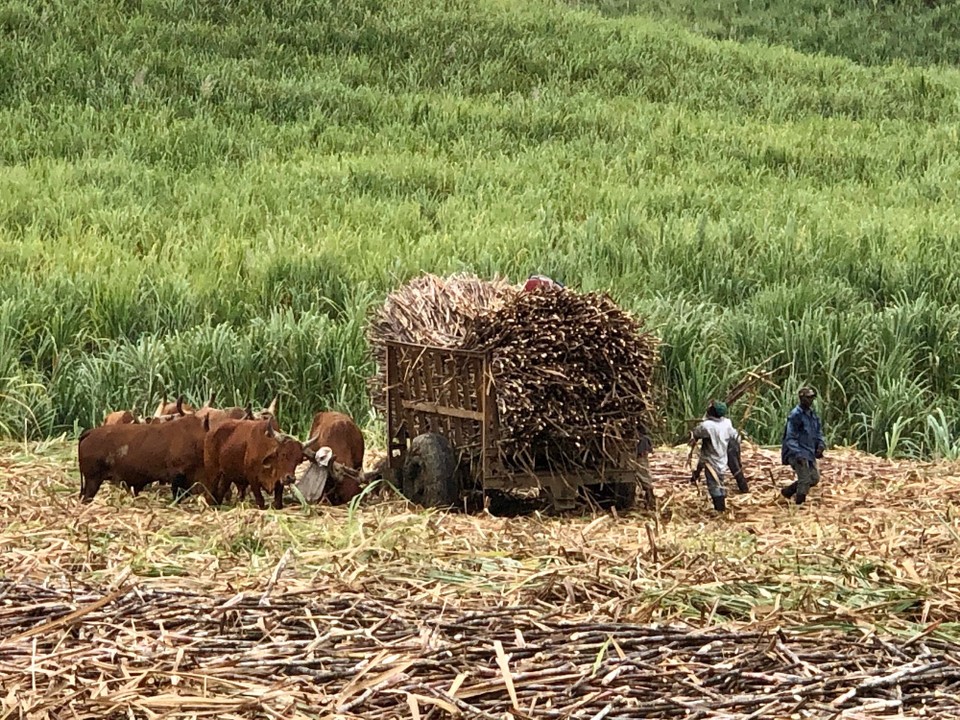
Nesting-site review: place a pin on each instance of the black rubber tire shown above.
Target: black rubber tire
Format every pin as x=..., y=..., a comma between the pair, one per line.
x=430, y=476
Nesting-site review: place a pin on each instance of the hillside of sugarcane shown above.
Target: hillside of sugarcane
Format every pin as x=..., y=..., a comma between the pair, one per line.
x=235, y=199
x=214, y=198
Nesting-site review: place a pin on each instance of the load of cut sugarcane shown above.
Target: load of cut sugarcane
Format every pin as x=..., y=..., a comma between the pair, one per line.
x=572, y=371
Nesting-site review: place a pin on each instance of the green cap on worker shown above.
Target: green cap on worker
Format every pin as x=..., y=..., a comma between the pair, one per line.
x=807, y=392
x=720, y=408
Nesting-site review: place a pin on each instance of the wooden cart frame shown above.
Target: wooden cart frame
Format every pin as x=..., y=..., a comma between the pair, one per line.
x=451, y=392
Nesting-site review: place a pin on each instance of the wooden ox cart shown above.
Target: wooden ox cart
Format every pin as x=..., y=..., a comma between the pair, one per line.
x=443, y=429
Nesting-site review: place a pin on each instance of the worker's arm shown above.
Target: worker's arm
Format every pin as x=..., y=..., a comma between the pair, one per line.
x=793, y=438
x=821, y=443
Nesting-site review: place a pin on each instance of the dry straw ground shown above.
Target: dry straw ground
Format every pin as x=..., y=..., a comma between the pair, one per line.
x=129, y=607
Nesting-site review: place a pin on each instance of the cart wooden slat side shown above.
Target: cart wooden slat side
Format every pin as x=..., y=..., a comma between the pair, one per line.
x=451, y=392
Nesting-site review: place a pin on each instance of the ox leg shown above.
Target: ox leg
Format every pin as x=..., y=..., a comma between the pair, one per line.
x=179, y=487
x=221, y=489
x=257, y=495
x=278, y=496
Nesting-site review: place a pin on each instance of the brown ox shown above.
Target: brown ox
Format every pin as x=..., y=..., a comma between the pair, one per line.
x=120, y=417
x=217, y=416
x=220, y=415
x=339, y=433
x=249, y=452
x=135, y=455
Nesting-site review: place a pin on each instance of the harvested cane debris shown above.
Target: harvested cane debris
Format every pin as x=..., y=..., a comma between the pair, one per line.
x=143, y=652
x=134, y=608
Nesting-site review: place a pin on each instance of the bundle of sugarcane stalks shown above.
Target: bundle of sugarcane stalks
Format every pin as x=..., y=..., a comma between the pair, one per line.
x=437, y=311
x=144, y=652
x=430, y=310
x=572, y=372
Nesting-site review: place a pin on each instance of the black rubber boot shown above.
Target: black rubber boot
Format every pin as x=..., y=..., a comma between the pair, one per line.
x=742, y=484
x=789, y=490
x=719, y=503
x=800, y=498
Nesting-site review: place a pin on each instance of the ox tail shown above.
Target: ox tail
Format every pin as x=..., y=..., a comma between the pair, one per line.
x=83, y=482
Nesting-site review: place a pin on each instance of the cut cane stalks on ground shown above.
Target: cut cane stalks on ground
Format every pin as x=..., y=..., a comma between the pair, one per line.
x=845, y=607
x=306, y=655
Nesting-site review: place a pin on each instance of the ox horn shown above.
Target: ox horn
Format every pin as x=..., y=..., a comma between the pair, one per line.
x=272, y=407
x=248, y=412
x=180, y=405
x=159, y=411
x=213, y=396
x=311, y=441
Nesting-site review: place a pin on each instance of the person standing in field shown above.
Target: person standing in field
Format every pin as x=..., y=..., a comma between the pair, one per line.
x=802, y=446
x=718, y=435
x=537, y=281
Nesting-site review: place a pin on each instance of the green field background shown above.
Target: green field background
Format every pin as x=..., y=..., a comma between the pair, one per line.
x=213, y=196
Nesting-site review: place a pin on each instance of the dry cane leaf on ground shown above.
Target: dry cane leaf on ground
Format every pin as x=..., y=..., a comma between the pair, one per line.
x=155, y=651
x=846, y=607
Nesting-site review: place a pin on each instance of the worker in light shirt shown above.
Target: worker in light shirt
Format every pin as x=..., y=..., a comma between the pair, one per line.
x=717, y=434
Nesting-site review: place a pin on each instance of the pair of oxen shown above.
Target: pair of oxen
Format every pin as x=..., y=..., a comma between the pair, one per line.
x=210, y=450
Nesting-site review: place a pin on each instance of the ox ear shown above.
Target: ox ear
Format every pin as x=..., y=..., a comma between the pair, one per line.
x=248, y=412
x=269, y=431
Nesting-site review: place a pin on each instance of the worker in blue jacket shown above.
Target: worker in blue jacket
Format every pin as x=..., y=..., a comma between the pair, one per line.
x=802, y=446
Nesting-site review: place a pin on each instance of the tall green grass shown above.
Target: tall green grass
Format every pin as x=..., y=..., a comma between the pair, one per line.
x=202, y=197
x=915, y=32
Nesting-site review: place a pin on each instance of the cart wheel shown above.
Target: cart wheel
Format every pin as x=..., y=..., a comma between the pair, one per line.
x=430, y=472
x=625, y=495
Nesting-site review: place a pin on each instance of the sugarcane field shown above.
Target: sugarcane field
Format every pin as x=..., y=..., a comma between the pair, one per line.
x=427, y=359
x=399, y=600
